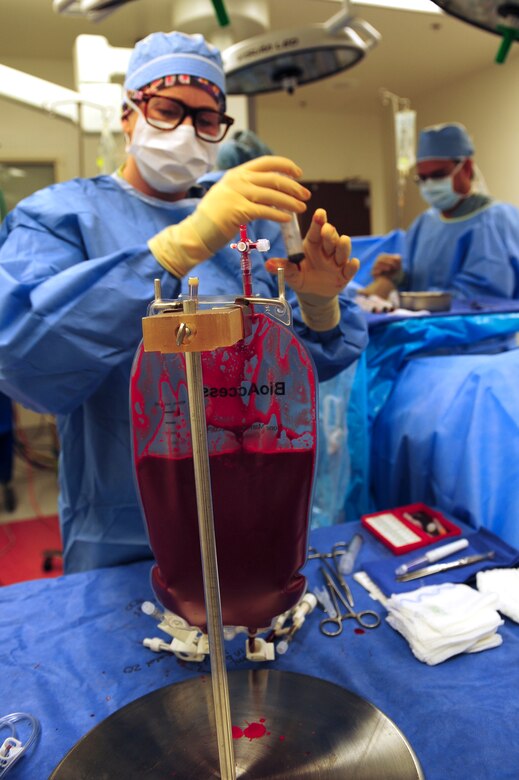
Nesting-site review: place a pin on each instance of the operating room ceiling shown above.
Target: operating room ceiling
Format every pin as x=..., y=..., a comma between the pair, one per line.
x=418, y=53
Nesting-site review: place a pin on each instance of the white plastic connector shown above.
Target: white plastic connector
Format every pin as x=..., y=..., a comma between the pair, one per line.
x=157, y=645
x=279, y=624
x=263, y=245
x=176, y=627
x=304, y=608
x=196, y=650
x=282, y=646
x=10, y=748
x=188, y=642
x=150, y=609
x=203, y=644
x=10, y=751
x=260, y=651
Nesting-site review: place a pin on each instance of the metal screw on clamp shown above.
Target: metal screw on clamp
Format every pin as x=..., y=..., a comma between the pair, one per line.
x=183, y=333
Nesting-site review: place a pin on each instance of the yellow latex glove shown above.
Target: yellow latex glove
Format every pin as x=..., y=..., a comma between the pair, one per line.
x=258, y=189
x=324, y=272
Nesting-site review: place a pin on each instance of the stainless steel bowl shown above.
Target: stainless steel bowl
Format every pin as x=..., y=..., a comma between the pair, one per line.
x=430, y=301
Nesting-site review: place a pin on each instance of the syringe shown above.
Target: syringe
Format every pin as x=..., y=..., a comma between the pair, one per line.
x=291, y=233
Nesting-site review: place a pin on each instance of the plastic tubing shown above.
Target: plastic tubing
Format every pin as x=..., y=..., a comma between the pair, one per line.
x=10, y=721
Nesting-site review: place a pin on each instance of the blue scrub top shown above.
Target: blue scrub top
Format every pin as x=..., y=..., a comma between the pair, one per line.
x=473, y=255
x=76, y=277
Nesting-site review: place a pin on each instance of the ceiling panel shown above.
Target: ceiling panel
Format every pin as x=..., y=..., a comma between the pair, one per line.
x=418, y=51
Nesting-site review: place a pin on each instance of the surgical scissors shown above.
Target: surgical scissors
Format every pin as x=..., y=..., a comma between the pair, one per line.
x=339, y=548
x=366, y=618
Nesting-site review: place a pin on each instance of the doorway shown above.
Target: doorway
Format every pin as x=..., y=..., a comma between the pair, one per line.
x=347, y=204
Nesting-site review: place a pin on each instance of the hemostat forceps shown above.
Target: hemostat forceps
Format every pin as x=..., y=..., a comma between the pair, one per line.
x=332, y=626
x=337, y=551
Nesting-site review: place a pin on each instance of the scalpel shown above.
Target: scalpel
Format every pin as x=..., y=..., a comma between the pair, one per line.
x=437, y=567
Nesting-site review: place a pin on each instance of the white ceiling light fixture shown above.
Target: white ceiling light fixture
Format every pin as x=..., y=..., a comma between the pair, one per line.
x=286, y=59
x=94, y=10
x=39, y=93
x=425, y=6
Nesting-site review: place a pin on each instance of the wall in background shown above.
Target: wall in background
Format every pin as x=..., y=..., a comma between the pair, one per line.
x=330, y=147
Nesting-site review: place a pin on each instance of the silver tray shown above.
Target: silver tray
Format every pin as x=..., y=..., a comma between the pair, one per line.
x=431, y=301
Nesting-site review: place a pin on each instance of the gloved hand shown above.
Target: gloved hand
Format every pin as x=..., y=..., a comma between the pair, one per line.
x=258, y=189
x=387, y=265
x=381, y=287
x=324, y=272
x=387, y=274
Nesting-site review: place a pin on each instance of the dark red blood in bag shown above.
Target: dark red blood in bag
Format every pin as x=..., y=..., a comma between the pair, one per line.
x=260, y=403
x=260, y=548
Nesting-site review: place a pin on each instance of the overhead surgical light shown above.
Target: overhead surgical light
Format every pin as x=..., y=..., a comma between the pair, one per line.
x=223, y=24
x=493, y=15
x=95, y=10
x=286, y=59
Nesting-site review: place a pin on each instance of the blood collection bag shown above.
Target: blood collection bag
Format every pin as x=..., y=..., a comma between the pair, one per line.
x=260, y=407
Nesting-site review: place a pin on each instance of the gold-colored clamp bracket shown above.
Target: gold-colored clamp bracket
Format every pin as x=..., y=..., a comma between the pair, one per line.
x=175, y=330
x=200, y=331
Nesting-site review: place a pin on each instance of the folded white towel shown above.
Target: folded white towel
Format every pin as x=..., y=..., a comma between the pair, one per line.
x=440, y=621
x=504, y=583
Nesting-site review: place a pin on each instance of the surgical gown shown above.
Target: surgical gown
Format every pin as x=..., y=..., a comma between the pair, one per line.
x=474, y=255
x=76, y=277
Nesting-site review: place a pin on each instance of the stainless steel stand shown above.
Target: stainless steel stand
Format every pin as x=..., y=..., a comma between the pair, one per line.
x=302, y=727
x=286, y=725
x=213, y=607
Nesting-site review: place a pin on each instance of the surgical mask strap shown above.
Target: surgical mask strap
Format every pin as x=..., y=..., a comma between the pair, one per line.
x=458, y=167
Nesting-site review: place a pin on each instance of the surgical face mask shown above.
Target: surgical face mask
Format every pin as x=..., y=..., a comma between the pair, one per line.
x=170, y=161
x=440, y=193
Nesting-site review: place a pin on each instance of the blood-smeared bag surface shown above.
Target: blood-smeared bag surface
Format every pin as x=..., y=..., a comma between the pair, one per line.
x=260, y=404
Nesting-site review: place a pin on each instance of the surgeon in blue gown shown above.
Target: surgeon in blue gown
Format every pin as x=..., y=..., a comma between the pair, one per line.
x=77, y=264
x=466, y=242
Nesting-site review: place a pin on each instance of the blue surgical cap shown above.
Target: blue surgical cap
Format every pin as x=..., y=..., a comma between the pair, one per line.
x=444, y=142
x=165, y=54
x=243, y=146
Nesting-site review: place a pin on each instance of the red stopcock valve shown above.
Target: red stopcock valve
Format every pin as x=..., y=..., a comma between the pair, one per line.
x=244, y=246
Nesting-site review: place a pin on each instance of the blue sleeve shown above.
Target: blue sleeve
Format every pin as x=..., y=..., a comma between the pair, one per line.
x=490, y=264
x=409, y=249
x=336, y=349
x=67, y=320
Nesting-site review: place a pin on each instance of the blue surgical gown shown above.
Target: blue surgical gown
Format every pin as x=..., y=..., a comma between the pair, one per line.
x=471, y=256
x=76, y=276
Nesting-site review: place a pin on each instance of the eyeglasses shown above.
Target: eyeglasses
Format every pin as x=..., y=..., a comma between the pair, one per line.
x=165, y=113
x=442, y=173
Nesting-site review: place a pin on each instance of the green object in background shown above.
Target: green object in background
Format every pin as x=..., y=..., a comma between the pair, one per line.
x=3, y=206
x=221, y=13
x=510, y=34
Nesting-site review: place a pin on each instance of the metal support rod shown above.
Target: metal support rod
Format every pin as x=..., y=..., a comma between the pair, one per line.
x=213, y=606
x=81, y=150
